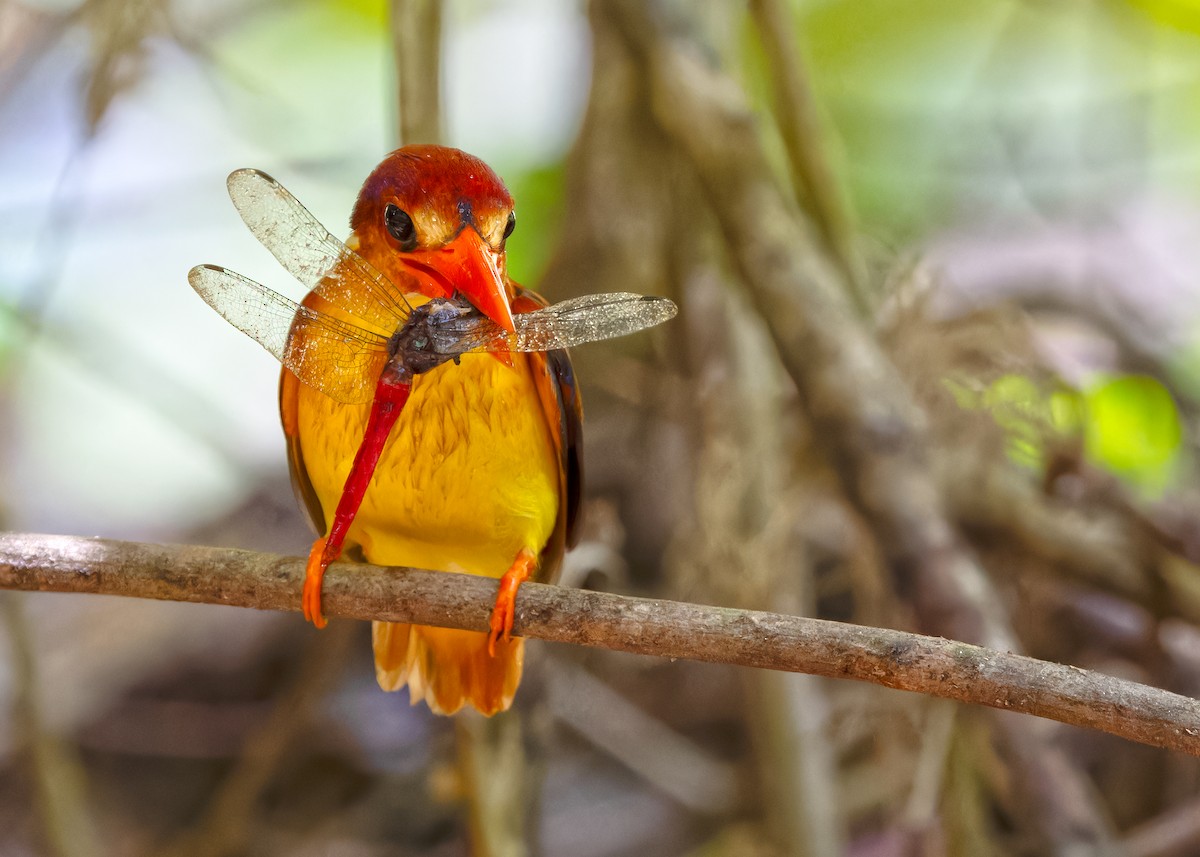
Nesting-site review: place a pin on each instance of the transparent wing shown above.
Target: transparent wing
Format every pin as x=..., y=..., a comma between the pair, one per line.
x=562, y=325
x=313, y=256
x=341, y=360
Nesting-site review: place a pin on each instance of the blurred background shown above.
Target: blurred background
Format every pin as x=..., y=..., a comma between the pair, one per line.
x=1007, y=193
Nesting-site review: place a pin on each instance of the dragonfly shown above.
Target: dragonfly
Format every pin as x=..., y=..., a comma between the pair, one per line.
x=382, y=335
x=374, y=343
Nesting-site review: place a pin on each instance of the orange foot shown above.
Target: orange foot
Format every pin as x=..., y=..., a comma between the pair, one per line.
x=506, y=599
x=314, y=572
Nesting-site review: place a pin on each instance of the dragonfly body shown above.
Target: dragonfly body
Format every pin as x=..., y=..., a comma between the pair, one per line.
x=430, y=410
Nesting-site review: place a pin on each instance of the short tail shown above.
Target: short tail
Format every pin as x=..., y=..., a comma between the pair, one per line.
x=447, y=668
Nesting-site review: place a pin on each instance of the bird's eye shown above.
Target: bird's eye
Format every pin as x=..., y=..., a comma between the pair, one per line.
x=400, y=226
x=511, y=225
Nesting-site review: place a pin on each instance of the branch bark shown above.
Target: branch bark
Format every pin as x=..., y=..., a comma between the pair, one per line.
x=669, y=629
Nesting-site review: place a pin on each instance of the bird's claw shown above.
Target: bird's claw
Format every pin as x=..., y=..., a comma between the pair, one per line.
x=505, y=610
x=314, y=573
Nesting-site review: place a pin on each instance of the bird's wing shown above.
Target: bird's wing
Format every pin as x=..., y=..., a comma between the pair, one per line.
x=554, y=378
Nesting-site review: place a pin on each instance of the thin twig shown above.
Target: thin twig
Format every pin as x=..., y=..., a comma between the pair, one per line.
x=668, y=760
x=60, y=780
x=928, y=782
x=668, y=629
x=813, y=179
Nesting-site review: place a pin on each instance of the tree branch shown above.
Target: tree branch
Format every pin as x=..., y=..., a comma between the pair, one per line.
x=668, y=629
x=813, y=179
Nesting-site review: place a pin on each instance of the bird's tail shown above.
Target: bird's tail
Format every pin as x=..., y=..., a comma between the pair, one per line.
x=447, y=668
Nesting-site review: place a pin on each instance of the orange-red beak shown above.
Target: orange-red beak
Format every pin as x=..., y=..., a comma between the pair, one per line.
x=475, y=271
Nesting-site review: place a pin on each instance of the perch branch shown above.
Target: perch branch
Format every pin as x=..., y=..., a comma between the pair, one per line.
x=669, y=629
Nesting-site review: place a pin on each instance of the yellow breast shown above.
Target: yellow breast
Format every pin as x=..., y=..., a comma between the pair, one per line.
x=467, y=479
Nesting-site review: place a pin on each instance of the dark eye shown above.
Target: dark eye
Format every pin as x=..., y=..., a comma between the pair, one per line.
x=400, y=226
x=511, y=225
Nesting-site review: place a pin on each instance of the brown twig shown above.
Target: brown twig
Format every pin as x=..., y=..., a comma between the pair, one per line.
x=795, y=109
x=669, y=629
x=62, y=801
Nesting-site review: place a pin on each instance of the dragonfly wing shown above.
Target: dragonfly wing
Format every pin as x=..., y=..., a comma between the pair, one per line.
x=341, y=360
x=318, y=260
x=566, y=324
x=590, y=318
x=469, y=333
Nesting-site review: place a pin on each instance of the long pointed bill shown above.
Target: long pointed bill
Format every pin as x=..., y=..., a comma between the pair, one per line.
x=474, y=269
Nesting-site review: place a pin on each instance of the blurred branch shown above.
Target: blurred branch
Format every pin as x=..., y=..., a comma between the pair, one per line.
x=58, y=772
x=860, y=406
x=1092, y=545
x=857, y=401
x=813, y=179
x=1172, y=833
x=928, y=783
x=670, y=629
x=120, y=31
x=416, y=41
x=227, y=825
x=672, y=762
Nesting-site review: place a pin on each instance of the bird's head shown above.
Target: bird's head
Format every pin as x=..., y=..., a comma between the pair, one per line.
x=441, y=216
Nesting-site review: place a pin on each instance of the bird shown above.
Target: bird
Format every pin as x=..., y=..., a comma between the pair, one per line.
x=482, y=472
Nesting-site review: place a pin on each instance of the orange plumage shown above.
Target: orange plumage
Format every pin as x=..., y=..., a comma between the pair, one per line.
x=481, y=473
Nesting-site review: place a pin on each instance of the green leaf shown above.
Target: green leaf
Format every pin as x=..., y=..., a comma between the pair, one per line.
x=1133, y=429
x=539, y=196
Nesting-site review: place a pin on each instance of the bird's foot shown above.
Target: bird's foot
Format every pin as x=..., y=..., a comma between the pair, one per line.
x=505, y=610
x=314, y=573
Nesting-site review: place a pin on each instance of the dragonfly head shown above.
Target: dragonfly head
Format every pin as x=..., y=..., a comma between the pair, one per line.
x=434, y=220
